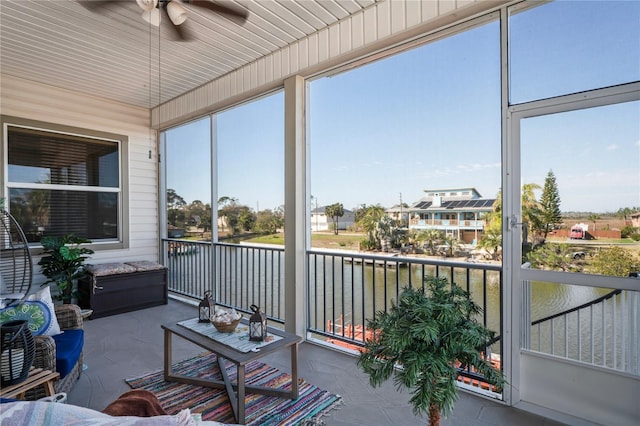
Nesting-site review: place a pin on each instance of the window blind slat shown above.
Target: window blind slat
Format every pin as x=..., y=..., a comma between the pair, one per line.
x=39, y=162
x=55, y=159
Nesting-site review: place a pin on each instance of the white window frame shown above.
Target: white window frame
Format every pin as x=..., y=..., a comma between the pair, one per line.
x=122, y=239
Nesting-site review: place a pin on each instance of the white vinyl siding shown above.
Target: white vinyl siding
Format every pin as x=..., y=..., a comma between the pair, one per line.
x=31, y=101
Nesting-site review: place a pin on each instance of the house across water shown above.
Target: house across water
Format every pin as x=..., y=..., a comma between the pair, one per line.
x=321, y=222
x=460, y=212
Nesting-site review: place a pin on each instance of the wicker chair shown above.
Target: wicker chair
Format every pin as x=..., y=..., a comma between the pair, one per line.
x=69, y=318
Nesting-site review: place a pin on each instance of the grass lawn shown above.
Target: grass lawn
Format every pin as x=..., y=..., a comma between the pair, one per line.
x=318, y=240
x=267, y=239
x=341, y=241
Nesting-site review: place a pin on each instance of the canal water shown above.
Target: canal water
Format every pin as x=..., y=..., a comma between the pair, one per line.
x=341, y=291
x=375, y=289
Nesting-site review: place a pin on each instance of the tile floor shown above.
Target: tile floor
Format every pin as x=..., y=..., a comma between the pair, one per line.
x=127, y=345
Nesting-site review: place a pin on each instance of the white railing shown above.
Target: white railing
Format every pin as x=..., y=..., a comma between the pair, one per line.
x=603, y=332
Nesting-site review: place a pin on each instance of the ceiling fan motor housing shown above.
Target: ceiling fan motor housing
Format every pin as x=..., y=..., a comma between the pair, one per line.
x=176, y=12
x=147, y=4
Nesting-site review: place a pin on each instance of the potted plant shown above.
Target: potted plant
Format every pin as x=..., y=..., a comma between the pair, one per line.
x=422, y=340
x=63, y=263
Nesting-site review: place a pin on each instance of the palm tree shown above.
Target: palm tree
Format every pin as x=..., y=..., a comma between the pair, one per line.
x=421, y=340
x=531, y=216
x=491, y=241
x=431, y=238
x=384, y=231
x=334, y=211
x=452, y=244
x=531, y=211
x=368, y=221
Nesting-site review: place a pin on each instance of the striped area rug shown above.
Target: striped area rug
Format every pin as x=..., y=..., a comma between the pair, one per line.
x=213, y=404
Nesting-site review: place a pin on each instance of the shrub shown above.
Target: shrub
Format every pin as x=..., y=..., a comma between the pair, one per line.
x=556, y=257
x=614, y=261
x=628, y=231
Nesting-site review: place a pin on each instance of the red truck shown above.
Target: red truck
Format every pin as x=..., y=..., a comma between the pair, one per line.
x=579, y=231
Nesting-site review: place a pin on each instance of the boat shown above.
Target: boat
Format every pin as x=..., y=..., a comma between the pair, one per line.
x=348, y=331
x=360, y=333
x=175, y=248
x=388, y=261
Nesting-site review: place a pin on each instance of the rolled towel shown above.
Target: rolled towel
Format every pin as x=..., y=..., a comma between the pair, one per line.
x=138, y=402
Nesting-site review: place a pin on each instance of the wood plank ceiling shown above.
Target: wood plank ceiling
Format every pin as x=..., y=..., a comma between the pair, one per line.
x=114, y=54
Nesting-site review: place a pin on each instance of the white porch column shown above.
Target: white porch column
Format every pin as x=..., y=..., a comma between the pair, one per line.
x=295, y=201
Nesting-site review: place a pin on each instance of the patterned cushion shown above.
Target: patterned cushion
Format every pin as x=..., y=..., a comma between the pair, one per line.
x=110, y=269
x=146, y=265
x=38, y=310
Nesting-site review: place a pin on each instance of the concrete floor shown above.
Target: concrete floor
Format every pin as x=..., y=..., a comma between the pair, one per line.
x=127, y=345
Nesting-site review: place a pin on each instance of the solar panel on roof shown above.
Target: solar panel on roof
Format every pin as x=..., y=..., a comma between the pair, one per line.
x=458, y=204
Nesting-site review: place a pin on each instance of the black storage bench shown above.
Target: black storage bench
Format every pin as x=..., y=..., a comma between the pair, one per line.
x=115, y=288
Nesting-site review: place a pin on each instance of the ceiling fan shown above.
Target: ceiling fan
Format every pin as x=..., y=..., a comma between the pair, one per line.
x=175, y=10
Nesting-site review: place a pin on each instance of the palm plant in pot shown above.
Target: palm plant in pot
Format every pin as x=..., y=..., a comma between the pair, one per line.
x=62, y=263
x=422, y=340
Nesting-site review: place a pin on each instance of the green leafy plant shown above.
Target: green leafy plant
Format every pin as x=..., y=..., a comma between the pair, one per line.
x=63, y=262
x=422, y=340
x=615, y=261
x=555, y=257
x=628, y=231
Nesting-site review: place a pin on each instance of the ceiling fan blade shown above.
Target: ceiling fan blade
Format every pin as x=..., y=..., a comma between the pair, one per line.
x=235, y=13
x=94, y=5
x=180, y=32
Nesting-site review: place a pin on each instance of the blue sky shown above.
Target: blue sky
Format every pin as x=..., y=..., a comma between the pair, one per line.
x=425, y=119
x=188, y=159
x=430, y=118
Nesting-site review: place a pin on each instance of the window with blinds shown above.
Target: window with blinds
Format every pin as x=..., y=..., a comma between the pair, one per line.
x=63, y=183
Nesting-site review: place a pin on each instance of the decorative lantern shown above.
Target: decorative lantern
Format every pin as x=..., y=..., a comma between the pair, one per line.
x=206, y=308
x=257, y=325
x=18, y=350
